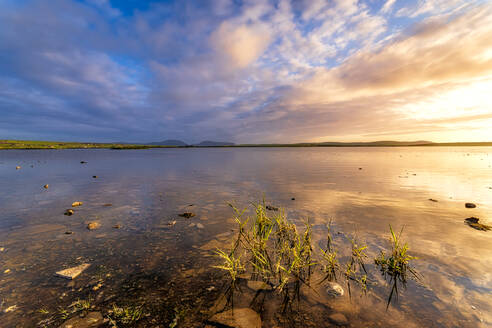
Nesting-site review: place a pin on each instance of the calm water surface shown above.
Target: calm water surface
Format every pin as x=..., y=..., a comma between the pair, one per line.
x=145, y=261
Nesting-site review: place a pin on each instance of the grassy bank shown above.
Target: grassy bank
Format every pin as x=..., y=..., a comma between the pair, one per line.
x=28, y=144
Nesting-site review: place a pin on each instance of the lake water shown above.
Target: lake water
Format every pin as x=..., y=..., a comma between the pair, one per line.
x=164, y=269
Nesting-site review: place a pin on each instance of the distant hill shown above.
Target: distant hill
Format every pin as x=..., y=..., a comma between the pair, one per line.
x=208, y=143
x=169, y=142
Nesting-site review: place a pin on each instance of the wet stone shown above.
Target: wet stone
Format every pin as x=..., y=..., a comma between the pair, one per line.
x=334, y=290
x=75, y=204
x=91, y=320
x=69, y=212
x=187, y=215
x=433, y=200
x=46, y=186
x=93, y=225
x=17, y=167
x=72, y=273
x=338, y=319
x=470, y=205
x=239, y=318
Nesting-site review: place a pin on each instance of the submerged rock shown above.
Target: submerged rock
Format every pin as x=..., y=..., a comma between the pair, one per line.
x=187, y=215
x=75, y=204
x=473, y=223
x=91, y=320
x=69, y=212
x=72, y=273
x=239, y=318
x=93, y=225
x=271, y=208
x=338, y=319
x=470, y=205
x=433, y=200
x=334, y=290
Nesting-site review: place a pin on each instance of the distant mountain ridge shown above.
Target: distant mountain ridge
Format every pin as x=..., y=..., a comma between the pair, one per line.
x=378, y=143
x=208, y=143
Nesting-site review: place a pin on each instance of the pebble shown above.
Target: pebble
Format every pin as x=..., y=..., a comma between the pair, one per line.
x=470, y=205
x=93, y=225
x=75, y=204
x=46, y=186
x=333, y=289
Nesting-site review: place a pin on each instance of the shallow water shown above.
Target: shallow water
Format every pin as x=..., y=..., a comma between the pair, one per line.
x=161, y=267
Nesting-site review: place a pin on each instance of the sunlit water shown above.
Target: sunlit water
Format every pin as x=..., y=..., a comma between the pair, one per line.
x=362, y=190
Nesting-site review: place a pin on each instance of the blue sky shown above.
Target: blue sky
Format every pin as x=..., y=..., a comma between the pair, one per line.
x=245, y=71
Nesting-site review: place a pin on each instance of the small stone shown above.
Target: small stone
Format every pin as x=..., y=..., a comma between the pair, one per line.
x=69, y=212
x=91, y=320
x=171, y=223
x=68, y=232
x=7, y=271
x=200, y=226
x=433, y=200
x=17, y=167
x=360, y=168
x=472, y=220
x=46, y=186
x=108, y=204
x=239, y=318
x=93, y=225
x=2, y=249
x=258, y=285
x=293, y=198
x=94, y=176
x=187, y=215
x=75, y=204
x=117, y=226
x=72, y=273
x=338, y=319
x=83, y=162
x=470, y=205
x=334, y=290
x=11, y=308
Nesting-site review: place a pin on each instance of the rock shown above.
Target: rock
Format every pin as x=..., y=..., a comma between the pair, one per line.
x=17, y=167
x=2, y=249
x=75, y=204
x=239, y=318
x=334, y=290
x=360, y=168
x=171, y=223
x=258, y=285
x=11, y=308
x=68, y=232
x=200, y=226
x=83, y=162
x=46, y=186
x=293, y=198
x=108, y=204
x=72, y=273
x=93, y=225
x=338, y=319
x=69, y=212
x=470, y=205
x=473, y=223
x=94, y=176
x=271, y=208
x=187, y=215
x=6, y=271
x=433, y=200
x=91, y=320
x=117, y=226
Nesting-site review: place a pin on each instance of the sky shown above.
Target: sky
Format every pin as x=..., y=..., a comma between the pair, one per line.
x=246, y=71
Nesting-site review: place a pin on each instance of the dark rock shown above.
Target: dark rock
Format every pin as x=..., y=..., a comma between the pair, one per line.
x=433, y=200
x=187, y=215
x=69, y=212
x=94, y=176
x=470, y=205
x=293, y=198
x=46, y=186
x=338, y=319
x=473, y=223
x=108, y=204
x=360, y=168
x=68, y=232
x=117, y=226
x=271, y=208
x=239, y=318
x=83, y=162
x=91, y=320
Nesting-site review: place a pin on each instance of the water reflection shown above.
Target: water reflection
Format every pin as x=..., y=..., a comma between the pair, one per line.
x=148, y=188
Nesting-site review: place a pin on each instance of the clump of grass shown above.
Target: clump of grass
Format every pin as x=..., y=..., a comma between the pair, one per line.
x=127, y=315
x=396, y=265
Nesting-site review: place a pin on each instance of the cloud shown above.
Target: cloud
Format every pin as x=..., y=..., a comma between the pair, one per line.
x=255, y=71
